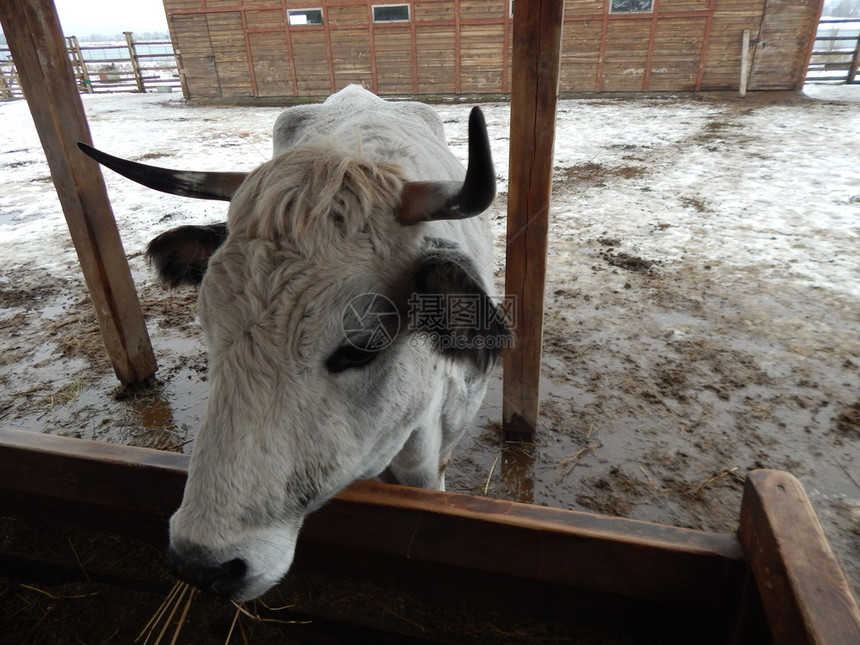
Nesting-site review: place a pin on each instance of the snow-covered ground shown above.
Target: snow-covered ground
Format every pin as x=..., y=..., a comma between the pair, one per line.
x=736, y=228
x=703, y=298
x=814, y=185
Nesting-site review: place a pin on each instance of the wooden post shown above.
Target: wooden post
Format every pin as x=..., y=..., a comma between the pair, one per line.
x=6, y=84
x=745, y=62
x=804, y=591
x=534, y=96
x=855, y=64
x=38, y=48
x=78, y=57
x=135, y=61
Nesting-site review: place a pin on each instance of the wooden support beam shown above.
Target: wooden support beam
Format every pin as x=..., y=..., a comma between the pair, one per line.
x=534, y=97
x=38, y=48
x=78, y=64
x=804, y=591
x=855, y=65
x=135, y=61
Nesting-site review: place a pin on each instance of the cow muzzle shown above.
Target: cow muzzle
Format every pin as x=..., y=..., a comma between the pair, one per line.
x=225, y=579
x=240, y=570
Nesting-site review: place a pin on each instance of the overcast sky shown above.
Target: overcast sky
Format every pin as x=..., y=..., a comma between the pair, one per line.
x=87, y=17
x=108, y=17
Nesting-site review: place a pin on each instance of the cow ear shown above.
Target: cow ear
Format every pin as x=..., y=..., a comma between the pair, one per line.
x=451, y=310
x=181, y=255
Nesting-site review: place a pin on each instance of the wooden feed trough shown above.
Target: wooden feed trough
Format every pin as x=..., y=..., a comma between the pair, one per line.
x=775, y=581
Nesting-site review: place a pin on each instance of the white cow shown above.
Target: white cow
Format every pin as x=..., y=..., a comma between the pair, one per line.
x=347, y=309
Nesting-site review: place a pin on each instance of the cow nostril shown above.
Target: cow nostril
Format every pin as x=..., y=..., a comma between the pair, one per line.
x=224, y=579
x=234, y=570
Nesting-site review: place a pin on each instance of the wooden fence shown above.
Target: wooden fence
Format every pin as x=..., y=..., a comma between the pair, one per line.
x=130, y=66
x=836, y=52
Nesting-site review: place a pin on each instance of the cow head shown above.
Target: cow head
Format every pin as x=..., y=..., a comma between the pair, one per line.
x=324, y=367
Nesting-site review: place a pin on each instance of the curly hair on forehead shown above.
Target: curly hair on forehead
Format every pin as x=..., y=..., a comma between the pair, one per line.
x=317, y=197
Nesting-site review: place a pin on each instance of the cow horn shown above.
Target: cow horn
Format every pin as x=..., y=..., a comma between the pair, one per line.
x=427, y=200
x=188, y=183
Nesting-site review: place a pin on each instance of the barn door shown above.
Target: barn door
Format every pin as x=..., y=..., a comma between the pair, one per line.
x=774, y=66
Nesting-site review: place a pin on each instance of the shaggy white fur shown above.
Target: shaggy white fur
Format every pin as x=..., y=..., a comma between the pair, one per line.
x=295, y=413
x=319, y=197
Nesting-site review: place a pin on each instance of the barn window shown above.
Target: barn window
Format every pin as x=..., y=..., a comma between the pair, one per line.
x=391, y=13
x=631, y=6
x=304, y=17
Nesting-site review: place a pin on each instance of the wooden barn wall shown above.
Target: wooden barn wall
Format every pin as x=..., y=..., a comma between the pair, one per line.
x=246, y=48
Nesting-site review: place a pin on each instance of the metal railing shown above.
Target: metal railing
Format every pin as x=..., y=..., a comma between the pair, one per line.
x=835, y=52
x=130, y=66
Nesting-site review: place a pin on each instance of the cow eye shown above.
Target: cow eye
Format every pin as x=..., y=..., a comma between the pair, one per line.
x=349, y=357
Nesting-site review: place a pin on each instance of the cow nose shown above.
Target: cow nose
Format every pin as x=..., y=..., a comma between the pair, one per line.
x=224, y=579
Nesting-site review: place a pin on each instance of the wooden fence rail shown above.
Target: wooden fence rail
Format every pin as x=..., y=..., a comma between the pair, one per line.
x=836, y=52
x=130, y=66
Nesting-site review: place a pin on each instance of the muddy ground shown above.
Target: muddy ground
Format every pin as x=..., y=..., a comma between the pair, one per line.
x=668, y=375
